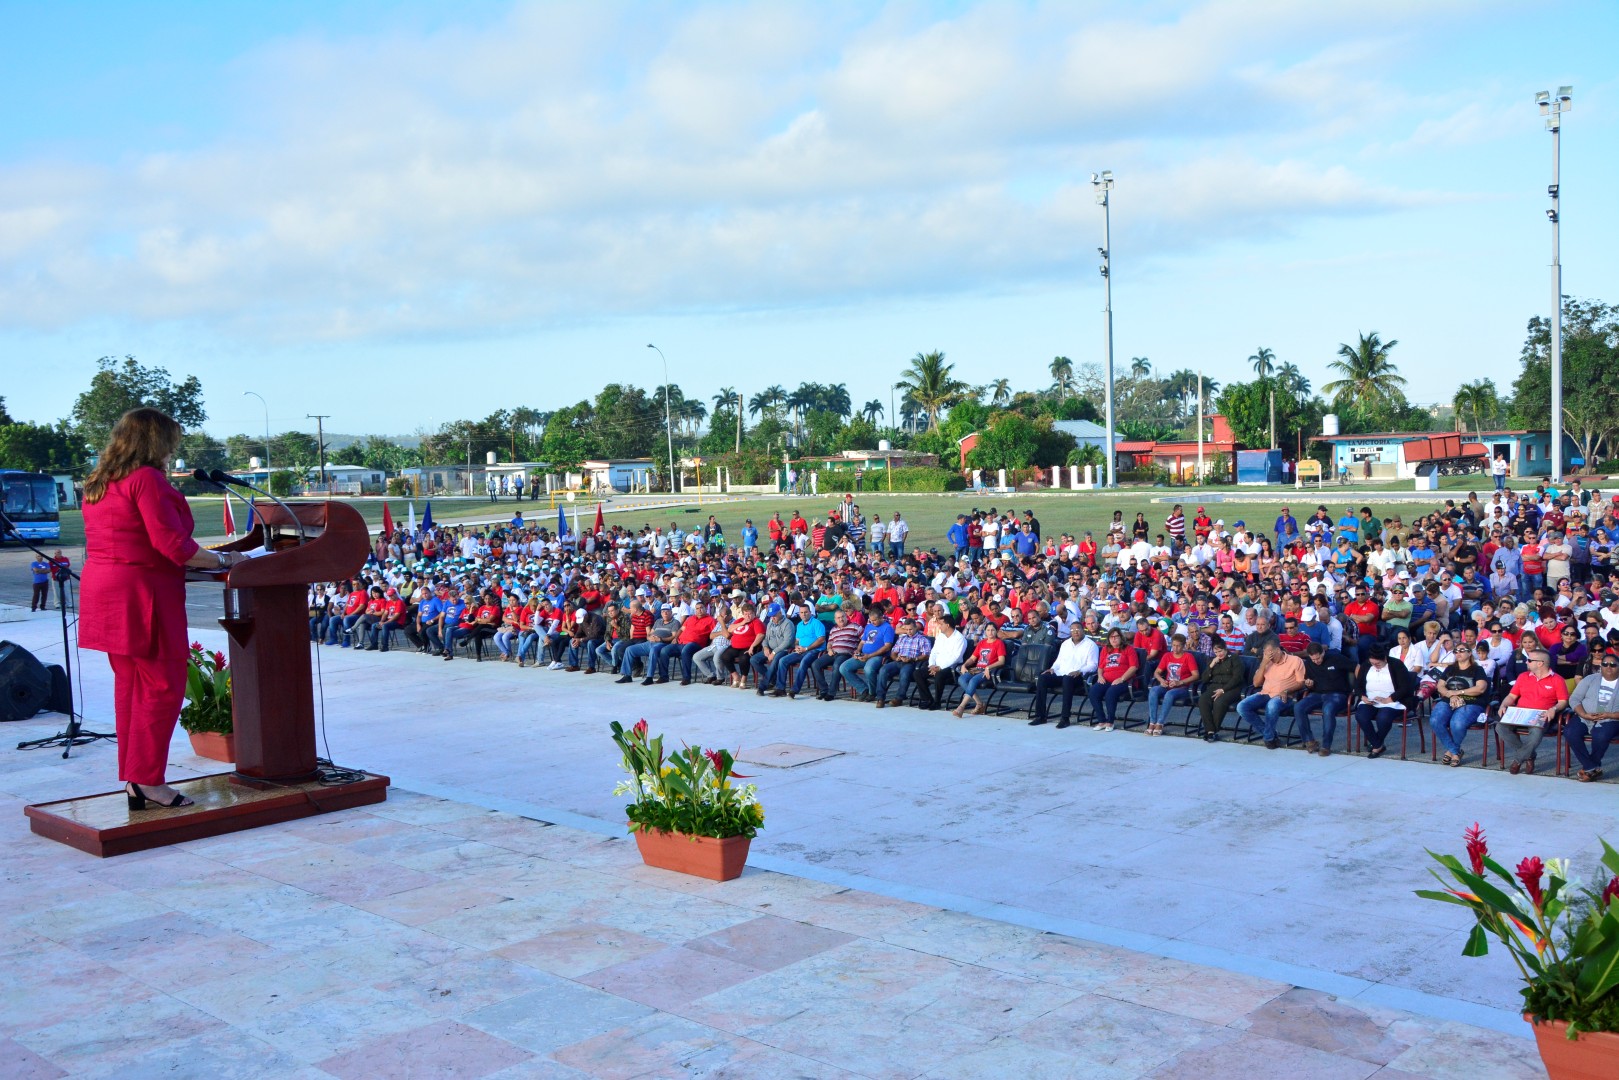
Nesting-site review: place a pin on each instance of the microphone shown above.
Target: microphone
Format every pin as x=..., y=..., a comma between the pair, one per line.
x=219, y=476
x=202, y=476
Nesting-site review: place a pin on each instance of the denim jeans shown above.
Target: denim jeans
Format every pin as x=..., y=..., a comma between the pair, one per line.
x=861, y=673
x=1500, y=482
x=1601, y=736
x=827, y=672
x=1104, y=699
x=1160, y=699
x=970, y=682
x=1331, y=706
x=903, y=671
x=380, y=634
x=528, y=644
x=1531, y=582
x=1450, y=725
x=765, y=670
x=1250, y=707
x=640, y=650
x=896, y=549
x=337, y=628
x=794, y=669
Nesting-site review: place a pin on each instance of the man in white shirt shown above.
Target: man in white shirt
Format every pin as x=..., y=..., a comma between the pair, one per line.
x=949, y=646
x=898, y=530
x=1076, y=660
x=877, y=534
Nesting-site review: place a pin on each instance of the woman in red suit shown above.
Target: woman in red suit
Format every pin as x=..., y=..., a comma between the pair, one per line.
x=137, y=536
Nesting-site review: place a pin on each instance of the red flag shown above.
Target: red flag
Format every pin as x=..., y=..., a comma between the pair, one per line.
x=387, y=519
x=230, y=522
x=600, y=528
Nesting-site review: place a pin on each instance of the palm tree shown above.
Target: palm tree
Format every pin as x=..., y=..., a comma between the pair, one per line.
x=693, y=412
x=1478, y=397
x=1264, y=362
x=909, y=411
x=1062, y=373
x=1000, y=392
x=724, y=398
x=1292, y=380
x=835, y=400
x=930, y=382
x=1140, y=367
x=871, y=410
x=1367, y=374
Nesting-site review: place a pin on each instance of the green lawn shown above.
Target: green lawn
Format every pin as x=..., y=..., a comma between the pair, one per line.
x=929, y=515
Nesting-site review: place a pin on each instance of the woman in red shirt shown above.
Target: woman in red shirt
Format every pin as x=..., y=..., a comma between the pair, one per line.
x=986, y=658
x=744, y=631
x=137, y=537
x=1116, y=666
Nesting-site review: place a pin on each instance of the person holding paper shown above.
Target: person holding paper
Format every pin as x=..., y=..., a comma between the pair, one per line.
x=137, y=538
x=1538, y=690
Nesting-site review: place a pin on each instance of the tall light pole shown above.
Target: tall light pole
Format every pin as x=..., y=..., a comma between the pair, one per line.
x=247, y=393
x=1102, y=182
x=1552, y=107
x=668, y=429
x=320, y=442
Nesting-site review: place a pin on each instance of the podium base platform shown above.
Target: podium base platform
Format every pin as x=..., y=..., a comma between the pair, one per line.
x=103, y=825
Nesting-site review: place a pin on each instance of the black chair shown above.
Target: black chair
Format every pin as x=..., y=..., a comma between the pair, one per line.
x=1024, y=679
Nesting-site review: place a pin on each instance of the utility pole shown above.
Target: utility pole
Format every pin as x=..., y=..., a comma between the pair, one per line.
x=1273, y=417
x=1103, y=183
x=668, y=428
x=1553, y=108
x=739, y=421
x=1200, y=429
x=320, y=441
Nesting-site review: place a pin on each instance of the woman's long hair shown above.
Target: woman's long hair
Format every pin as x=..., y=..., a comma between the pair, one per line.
x=141, y=437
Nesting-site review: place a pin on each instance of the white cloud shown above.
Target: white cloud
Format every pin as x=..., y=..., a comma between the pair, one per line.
x=575, y=161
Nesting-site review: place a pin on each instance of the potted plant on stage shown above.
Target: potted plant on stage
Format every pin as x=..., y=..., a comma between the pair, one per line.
x=688, y=815
x=206, y=715
x=1565, y=941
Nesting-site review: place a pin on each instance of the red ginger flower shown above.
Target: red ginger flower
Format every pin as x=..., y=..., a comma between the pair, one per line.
x=1477, y=849
x=1529, y=872
x=219, y=660
x=1610, y=892
x=640, y=729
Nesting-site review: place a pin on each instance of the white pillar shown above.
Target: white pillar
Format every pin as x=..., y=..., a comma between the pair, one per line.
x=1088, y=481
x=1056, y=476
x=1073, y=477
x=1002, y=473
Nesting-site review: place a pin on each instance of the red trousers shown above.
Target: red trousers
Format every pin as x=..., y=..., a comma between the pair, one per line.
x=147, y=694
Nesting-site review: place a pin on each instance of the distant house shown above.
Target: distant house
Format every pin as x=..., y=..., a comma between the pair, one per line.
x=437, y=479
x=1180, y=458
x=1393, y=455
x=619, y=474
x=1086, y=433
x=349, y=479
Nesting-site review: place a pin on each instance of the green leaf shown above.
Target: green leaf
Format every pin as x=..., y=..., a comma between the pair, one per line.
x=1600, y=972
x=1444, y=897
x=1478, y=943
x=1610, y=857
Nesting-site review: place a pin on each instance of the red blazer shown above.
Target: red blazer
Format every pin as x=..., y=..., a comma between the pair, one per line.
x=133, y=597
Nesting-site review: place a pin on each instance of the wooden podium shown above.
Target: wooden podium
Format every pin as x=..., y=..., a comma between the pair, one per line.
x=272, y=697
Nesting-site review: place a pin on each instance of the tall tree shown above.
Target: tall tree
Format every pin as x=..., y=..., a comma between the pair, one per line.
x=1062, y=374
x=1366, y=374
x=929, y=380
x=1264, y=362
x=1289, y=376
x=871, y=410
x=1590, y=377
x=1140, y=367
x=118, y=387
x=1478, y=398
x=1000, y=392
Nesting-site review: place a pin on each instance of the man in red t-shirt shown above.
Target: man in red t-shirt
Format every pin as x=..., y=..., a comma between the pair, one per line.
x=1363, y=612
x=695, y=633
x=1540, y=689
x=1150, y=640
x=1173, y=676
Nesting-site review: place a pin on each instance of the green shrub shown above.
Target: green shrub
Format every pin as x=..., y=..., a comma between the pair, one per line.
x=399, y=487
x=911, y=478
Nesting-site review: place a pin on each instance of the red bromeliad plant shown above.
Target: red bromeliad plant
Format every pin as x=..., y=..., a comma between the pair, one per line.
x=1565, y=940
x=208, y=700
x=690, y=791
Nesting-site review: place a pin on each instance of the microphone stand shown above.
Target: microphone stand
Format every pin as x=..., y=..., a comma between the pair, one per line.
x=76, y=734
x=219, y=477
x=202, y=477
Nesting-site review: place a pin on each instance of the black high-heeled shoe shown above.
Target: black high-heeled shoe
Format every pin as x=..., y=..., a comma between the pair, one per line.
x=138, y=799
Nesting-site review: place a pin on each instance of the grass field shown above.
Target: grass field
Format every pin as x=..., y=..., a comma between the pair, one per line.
x=929, y=515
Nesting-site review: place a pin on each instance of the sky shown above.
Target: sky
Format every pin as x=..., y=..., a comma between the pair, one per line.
x=401, y=214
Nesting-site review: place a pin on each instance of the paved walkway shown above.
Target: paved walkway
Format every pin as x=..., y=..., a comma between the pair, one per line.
x=1277, y=883
x=425, y=937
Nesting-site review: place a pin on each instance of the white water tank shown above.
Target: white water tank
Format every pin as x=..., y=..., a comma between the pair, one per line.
x=489, y=458
x=254, y=463
x=1329, y=424
x=882, y=445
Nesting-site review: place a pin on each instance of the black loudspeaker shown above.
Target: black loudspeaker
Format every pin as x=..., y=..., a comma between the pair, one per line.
x=26, y=686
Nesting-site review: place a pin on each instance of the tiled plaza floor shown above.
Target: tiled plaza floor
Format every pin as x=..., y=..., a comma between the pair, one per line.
x=424, y=937
x=940, y=897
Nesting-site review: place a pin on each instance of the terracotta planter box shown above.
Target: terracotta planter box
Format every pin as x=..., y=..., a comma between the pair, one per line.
x=700, y=856
x=1593, y=1055
x=214, y=746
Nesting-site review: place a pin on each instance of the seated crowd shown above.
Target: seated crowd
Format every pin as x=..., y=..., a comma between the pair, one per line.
x=1481, y=615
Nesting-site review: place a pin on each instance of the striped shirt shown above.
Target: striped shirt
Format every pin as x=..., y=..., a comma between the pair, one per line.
x=843, y=639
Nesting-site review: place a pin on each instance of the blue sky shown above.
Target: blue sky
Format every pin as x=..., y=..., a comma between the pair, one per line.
x=401, y=214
